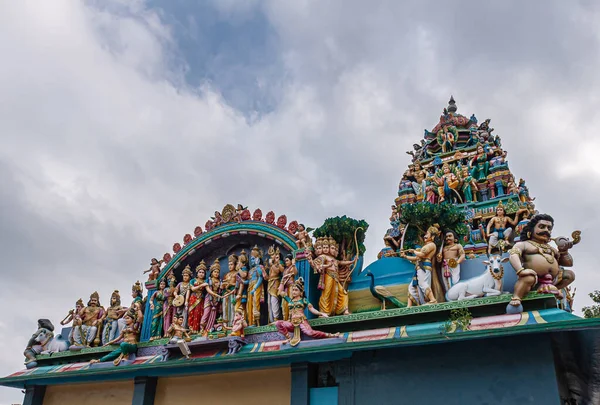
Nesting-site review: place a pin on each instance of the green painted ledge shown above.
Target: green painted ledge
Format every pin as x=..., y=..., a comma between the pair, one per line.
x=284, y=357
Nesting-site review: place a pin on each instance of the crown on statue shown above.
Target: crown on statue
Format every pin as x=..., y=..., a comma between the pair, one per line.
x=79, y=303
x=299, y=284
x=201, y=266
x=216, y=265
x=187, y=270
x=137, y=287
x=95, y=295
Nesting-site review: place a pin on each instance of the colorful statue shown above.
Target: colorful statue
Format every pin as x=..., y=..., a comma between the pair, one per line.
x=183, y=290
x=302, y=237
x=257, y=215
x=446, y=137
x=499, y=233
x=177, y=331
x=469, y=185
x=91, y=315
x=228, y=288
x=138, y=303
x=196, y=301
x=255, y=287
x=334, y=297
x=238, y=324
x=270, y=218
x=298, y=323
x=451, y=256
x=242, y=281
x=524, y=192
x=288, y=279
x=74, y=316
x=154, y=269
x=168, y=306
x=536, y=262
x=112, y=320
x=420, y=176
x=128, y=338
x=43, y=341
x=157, y=302
x=480, y=165
x=447, y=181
x=275, y=271
x=425, y=287
x=488, y=284
x=212, y=299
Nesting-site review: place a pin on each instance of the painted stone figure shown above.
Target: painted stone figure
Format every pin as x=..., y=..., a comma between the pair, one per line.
x=228, y=288
x=91, y=315
x=138, y=304
x=420, y=176
x=74, y=316
x=183, y=290
x=275, y=274
x=538, y=263
x=113, y=321
x=451, y=256
x=177, y=331
x=237, y=324
x=242, y=281
x=298, y=323
x=157, y=305
x=302, y=237
x=212, y=299
x=447, y=181
x=154, y=269
x=128, y=339
x=422, y=290
x=288, y=279
x=196, y=300
x=43, y=341
x=255, y=287
x=499, y=233
x=168, y=307
x=469, y=185
x=480, y=165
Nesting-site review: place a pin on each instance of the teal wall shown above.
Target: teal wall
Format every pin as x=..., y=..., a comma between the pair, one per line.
x=505, y=371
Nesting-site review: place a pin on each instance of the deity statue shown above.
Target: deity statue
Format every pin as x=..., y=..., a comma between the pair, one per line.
x=255, y=287
x=524, y=192
x=238, y=213
x=157, y=302
x=480, y=165
x=420, y=175
x=138, y=303
x=288, y=279
x=74, y=316
x=302, y=237
x=334, y=297
x=154, y=269
x=446, y=137
x=511, y=187
x=469, y=185
x=33, y=345
x=298, y=323
x=394, y=235
x=451, y=256
x=430, y=195
x=425, y=287
x=177, y=331
x=500, y=235
x=217, y=220
x=112, y=320
x=237, y=324
x=183, y=290
x=536, y=262
x=242, y=281
x=212, y=299
x=228, y=288
x=128, y=338
x=446, y=181
x=168, y=307
x=274, y=279
x=196, y=301
x=91, y=315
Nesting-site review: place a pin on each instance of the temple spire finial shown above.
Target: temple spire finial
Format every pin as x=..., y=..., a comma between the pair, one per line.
x=452, y=105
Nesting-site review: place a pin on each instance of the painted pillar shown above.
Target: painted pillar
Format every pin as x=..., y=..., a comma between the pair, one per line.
x=300, y=384
x=146, y=326
x=144, y=390
x=34, y=395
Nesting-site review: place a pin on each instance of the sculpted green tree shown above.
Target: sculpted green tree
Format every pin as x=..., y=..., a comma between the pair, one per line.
x=594, y=310
x=342, y=230
x=420, y=216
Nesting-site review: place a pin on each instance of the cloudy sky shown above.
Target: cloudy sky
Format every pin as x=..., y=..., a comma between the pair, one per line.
x=125, y=124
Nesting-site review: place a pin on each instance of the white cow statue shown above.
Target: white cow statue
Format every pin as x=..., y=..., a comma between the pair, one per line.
x=487, y=285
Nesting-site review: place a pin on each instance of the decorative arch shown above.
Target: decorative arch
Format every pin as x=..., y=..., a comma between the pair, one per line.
x=257, y=228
